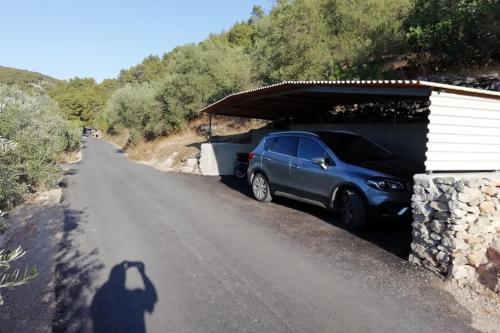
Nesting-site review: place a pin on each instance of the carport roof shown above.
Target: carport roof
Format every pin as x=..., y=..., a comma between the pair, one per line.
x=290, y=98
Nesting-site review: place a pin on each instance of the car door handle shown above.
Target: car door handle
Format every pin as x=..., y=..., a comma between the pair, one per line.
x=295, y=166
x=266, y=158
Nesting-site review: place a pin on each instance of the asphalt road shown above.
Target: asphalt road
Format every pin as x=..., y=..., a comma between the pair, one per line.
x=147, y=251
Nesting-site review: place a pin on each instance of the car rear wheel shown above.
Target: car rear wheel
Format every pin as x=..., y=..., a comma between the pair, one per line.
x=260, y=188
x=352, y=210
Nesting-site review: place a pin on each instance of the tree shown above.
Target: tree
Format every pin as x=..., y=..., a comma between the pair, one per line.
x=150, y=69
x=338, y=39
x=455, y=31
x=80, y=99
x=134, y=106
x=241, y=34
x=202, y=74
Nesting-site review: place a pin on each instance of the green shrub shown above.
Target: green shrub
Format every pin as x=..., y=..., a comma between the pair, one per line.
x=135, y=107
x=455, y=30
x=39, y=133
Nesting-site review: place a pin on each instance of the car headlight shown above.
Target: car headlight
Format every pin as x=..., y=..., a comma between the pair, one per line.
x=386, y=185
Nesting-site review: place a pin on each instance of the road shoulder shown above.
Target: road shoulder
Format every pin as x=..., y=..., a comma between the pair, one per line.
x=35, y=226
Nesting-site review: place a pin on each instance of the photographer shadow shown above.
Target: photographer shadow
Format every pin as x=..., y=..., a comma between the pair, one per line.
x=115, y=308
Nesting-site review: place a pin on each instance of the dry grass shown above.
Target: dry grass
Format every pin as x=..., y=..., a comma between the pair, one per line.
x=167, y=153
x=69, y=157
x=120, y=139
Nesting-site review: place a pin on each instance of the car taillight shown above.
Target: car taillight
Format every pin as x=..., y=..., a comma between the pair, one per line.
x=250, y=155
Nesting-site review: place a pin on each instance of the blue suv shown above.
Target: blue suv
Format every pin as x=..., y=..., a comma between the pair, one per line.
x=336, y=170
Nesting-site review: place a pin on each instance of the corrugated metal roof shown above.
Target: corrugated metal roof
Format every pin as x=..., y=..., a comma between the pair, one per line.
x=265, y=102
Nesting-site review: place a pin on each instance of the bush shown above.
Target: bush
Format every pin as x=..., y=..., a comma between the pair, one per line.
x=135, y=107
x=455, y=31
x=38, y=133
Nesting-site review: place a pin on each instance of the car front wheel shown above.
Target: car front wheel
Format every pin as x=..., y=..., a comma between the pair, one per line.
x=352, y=210
x=260, y=188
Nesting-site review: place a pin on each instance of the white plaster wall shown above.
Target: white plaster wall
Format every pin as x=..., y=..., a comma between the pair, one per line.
x=217, y=159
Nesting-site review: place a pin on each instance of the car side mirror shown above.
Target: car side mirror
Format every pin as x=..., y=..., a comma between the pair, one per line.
x=320, y=161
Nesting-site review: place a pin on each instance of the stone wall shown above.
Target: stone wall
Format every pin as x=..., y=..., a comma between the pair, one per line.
x=456, y=224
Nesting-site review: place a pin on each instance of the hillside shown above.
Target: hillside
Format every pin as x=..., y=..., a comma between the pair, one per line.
x=25, y=79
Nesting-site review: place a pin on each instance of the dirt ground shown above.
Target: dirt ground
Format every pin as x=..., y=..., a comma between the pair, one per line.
x=35, y=226
x=168, y=153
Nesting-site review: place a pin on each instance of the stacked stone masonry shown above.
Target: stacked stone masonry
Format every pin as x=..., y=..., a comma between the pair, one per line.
x=456, y=225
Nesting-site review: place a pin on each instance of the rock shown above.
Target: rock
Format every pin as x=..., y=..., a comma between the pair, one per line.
x=414, y=259
x=487, y=207
x=440, y=206
x=423, y=180
x=417, y=189
x=483, y=220
x=191, y=162
x=420, y=227
x=477, y=258
x=472, y=209
x=494, y=182
x=480, y=229
x=435, y=236
x=459, y=259
x=462, y=272
x=433, y=193
x=455, y=204
x=422, y=253
x=458, y=228
x=459, y=221
x=421, y=218
x=489, y=190
x=462, y=234
x=471, y=218
x=457, y=213
x=418, y=197
x=473, y=182
x=437, y=226
x=444, y=180
x=423, y=208
x=453, y=243
x=469, y=196
x=443, y=216
x=459, y=186
x=495, y=245
x=443, y=257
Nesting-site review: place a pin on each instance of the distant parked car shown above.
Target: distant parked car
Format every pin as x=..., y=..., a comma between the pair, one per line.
x=336, y=170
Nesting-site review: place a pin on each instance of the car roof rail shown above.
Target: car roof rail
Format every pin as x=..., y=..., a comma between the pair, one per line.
x=293, y=133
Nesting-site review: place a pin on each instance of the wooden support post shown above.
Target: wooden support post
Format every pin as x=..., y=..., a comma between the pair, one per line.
x=209, y=128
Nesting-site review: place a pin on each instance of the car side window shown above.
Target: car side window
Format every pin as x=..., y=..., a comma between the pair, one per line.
x=310, y=149
x=284, y=145
x=268, y=143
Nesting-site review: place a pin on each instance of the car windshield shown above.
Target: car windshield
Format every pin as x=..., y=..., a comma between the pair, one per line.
x=353, y=148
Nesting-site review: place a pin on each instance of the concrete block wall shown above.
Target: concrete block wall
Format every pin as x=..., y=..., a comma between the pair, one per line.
x=456, y=227
x=217, y=159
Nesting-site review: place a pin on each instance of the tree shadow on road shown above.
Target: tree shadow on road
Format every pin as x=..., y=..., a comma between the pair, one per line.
x=392, y=236
x=117, y=309
x=75, y=270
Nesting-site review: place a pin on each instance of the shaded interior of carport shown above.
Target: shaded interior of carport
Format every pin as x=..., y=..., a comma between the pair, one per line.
x=399, y=119
x=391, y=113
x=308, y=100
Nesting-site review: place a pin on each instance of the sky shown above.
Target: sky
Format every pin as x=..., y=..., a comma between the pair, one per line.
x=90, y=38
